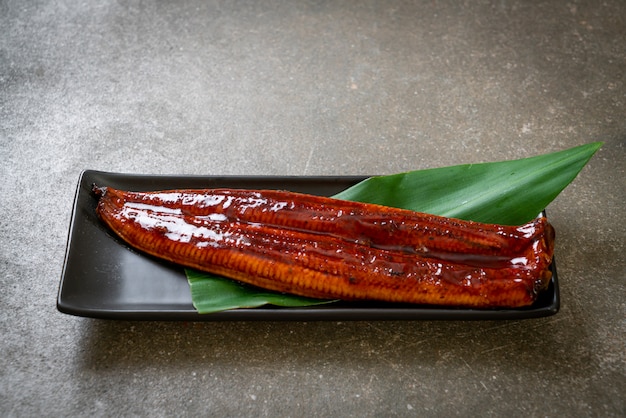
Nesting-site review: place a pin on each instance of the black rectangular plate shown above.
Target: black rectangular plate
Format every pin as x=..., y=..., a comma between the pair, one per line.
x=104, y=278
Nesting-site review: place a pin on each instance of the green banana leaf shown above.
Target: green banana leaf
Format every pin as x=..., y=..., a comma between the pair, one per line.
x=507, y=192
x=214, y=294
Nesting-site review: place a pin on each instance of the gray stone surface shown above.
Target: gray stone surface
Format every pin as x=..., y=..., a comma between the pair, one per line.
x=303, y=88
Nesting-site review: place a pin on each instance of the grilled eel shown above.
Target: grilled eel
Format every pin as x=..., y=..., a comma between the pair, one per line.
x=328, y=248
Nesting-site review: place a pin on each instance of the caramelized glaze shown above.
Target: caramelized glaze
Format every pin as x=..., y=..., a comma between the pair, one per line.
x=328, y=248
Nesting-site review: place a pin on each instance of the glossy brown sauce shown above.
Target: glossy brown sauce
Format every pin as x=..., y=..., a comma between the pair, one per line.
x=350, y=240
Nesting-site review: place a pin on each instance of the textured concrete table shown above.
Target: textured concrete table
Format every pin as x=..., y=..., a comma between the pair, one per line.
x=308, y=88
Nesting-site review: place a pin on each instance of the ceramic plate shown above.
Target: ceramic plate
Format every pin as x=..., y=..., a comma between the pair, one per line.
x=104, y=278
